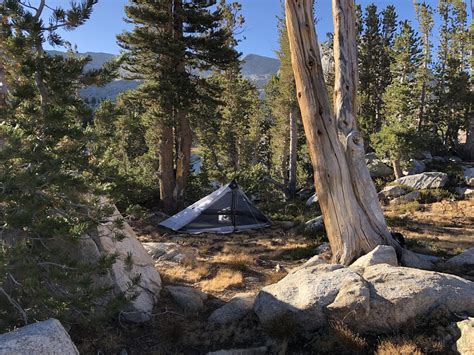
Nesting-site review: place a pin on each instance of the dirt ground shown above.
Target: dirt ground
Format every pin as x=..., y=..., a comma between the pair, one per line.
x=245, y=262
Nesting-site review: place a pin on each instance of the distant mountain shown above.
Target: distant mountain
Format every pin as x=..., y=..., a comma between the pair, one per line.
x=254, y=67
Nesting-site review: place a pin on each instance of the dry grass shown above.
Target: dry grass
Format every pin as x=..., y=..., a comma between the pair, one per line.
x=240, y=261
x=224, y=279
x=398, y=346
x=181, y=273
x=274, y=277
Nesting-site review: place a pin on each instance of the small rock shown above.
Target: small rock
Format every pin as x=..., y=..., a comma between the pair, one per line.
x=234, y=310
x=46, y=337
x=312, y=199
x=382, y=254
x=392, y=192
x=465, y=344
x=415, y=167
x=315, y=260
x=370, y=157
x=170, y=252
x=286, y=224
x=378, y=168
x=189, y=299
x=455, y=159
x=469, y=176
x=315, y=225
x=427, y=180
x=409, y=197
x=465, y=191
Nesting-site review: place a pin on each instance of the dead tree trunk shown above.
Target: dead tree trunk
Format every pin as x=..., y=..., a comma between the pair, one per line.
x=352, y=214
x=166, y=173
x=293, y=151
x=3, y=83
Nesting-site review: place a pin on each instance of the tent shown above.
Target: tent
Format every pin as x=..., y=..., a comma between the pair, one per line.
x=226, y=210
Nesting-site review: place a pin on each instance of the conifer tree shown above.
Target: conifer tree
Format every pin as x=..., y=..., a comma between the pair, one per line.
x=47, y=201
x=395, y=139
x=173, y=40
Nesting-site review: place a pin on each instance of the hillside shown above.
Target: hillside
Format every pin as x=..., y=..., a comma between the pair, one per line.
x=256, y=68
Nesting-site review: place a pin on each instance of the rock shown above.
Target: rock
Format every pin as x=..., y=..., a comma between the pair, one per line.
x=415, y=167
x=382, y=254
x=440, y=159
x=415, y=260
x=464, y=259
x=303, y=295
x=286, y=224
x=378, y=169
x=381, y=299
x=323, y=248
x=390, y=192
x=465, y=191
x=409, y=197
x=313, y=199
x=428, y=180
x=455, y=159
x=424, y=155
x=315, y=225
x=465, y=344
x=46, y=337
x=315, y=260
x=132, y=261
x=189, y=299
x=469, y=176
x=170, y=252
x=370, y=157
x=262, y=350
x=238, y=307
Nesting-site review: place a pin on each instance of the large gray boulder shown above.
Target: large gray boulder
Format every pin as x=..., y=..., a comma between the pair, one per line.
x=465, y=343
x=48, y=337
x=469, y=176
x=428, y=180
x=417, y=261
x=376, y=298
x=314, y=225
x=237, y=308
x=409, y=197
x=172, y=252
x=378, y=168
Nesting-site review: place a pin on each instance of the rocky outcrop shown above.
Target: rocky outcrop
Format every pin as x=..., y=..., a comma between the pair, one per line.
x=378, y=168
x=465, y=343
x=237, y=308
x=370, y=298
x=47, y=337
x=429, y=180
x=314, y=225
x=189, y=299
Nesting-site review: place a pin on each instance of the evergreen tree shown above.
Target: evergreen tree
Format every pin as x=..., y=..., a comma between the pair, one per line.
x=174, y=40
x=47, y=181
x=395, y=139
x=375, y=59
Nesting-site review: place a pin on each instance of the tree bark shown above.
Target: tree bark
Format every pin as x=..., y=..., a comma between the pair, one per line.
x=166, y=173
x=353, y=221
x=3, y=83
x=397, y=170
x=293, y=151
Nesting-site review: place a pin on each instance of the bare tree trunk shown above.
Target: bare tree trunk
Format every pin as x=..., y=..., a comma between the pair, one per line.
x=3, y=82
x=293, y=151
x=397, y=170
x=166, y=173
x=469, y=146
x=354, y=222
x=284, y=163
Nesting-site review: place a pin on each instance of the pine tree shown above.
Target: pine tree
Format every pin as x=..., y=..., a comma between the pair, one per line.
x=375, y=59
x=48, y=184
x=395, y=139
x=172, y=42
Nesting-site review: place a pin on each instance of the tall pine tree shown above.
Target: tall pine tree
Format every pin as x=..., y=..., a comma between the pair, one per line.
x=172, y=43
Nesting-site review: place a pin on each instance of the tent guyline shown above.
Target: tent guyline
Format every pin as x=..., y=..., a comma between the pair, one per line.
x=226, y=210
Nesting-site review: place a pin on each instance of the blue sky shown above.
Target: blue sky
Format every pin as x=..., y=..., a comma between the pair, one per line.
x=260, y=32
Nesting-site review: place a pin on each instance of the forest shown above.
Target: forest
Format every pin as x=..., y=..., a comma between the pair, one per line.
x=330, y=211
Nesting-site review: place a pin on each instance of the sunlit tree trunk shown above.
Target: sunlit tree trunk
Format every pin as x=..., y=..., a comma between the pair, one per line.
x=352, y=215
x=293, y=151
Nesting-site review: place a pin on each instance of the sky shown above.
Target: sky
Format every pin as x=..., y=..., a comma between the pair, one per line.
x=259, y=34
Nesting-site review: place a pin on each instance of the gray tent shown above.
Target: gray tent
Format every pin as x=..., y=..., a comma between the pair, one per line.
x=226, y=210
